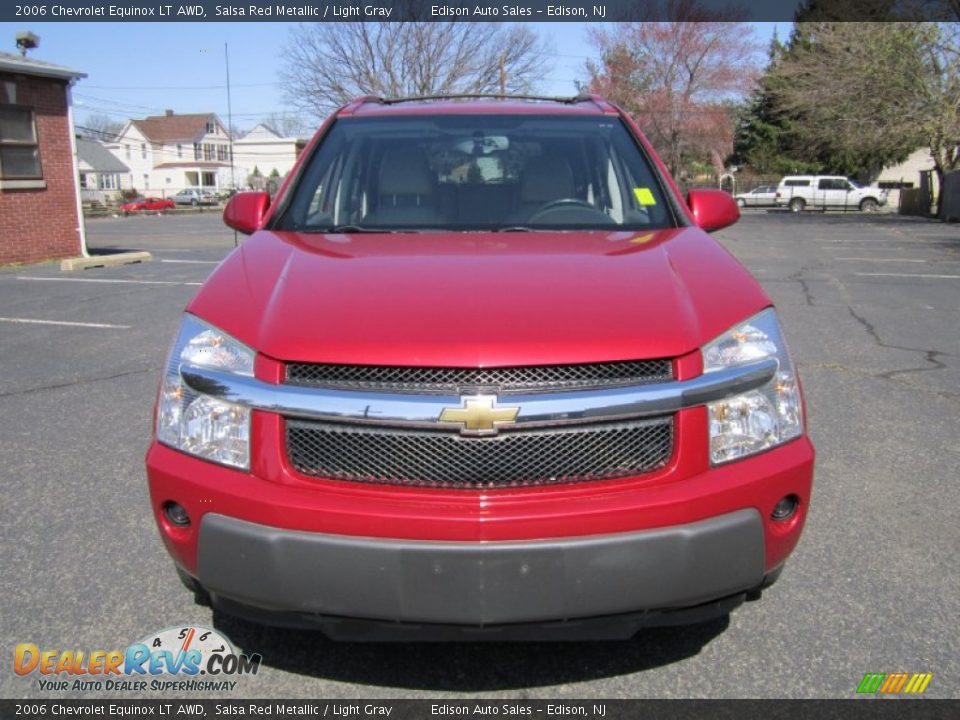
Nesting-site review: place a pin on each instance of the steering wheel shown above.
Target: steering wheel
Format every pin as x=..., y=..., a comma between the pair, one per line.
x=562, y=203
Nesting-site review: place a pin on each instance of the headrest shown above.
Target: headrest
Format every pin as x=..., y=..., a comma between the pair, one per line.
x=546, y=178
x=404, y=171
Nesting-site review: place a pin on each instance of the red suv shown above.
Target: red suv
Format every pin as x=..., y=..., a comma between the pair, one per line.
x=480, y=369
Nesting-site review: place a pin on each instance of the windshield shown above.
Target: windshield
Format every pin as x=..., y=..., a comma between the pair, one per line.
x=482, y=172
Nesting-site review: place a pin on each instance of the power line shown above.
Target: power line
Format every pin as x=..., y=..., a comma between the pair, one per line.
x=110, y=101
x=178, y=87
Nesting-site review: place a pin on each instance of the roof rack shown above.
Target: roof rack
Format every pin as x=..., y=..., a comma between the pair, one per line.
x=474, y=96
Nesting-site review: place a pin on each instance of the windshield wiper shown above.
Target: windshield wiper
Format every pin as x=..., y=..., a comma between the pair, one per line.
x=353, y=229
x=347, y=229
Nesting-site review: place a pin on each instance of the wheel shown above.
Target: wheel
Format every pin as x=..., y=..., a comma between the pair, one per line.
x=200, y=594
x=797, y=205
x=869, y=205
x=741, y=202
x=194, y=202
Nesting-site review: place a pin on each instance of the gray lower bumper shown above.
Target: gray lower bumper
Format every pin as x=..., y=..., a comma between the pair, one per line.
x=473, y=583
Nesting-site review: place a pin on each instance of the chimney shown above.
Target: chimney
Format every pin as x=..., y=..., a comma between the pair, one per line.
x=168, y=112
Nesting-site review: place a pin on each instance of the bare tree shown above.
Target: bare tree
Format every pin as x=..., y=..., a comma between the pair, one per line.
x=101, y=127
x=288, y=124
x=328, y=64
x=679, y=78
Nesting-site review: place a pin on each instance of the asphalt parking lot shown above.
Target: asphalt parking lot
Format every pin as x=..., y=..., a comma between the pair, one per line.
x=871, y=306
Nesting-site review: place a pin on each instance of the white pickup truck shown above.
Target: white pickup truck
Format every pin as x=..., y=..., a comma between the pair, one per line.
x=799, y=192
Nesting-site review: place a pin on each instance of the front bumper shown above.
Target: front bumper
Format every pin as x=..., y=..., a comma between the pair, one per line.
x=469, y=583
x=285, y=549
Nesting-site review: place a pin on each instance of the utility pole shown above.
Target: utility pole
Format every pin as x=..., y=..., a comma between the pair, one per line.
x=233, y=177
x=503, y=76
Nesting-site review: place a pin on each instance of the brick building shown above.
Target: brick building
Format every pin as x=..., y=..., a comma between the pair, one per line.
x=39, y=202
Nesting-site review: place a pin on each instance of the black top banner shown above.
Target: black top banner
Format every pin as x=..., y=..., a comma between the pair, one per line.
x=487, y=708
x=473, y=10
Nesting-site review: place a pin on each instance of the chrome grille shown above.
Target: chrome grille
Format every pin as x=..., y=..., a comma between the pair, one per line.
x=510, y=459
x=442, y=380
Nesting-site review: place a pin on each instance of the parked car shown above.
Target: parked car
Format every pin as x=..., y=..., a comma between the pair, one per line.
x=141, y=204
x=765, y=195
x=799, y=192
x=193, y=196
x=481, y=368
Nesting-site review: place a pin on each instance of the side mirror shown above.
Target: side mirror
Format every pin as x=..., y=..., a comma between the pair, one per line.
x=713, y=209
x=245, y=211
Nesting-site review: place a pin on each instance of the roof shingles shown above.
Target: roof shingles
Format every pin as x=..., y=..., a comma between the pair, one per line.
x=167, y=128
x=98, y=157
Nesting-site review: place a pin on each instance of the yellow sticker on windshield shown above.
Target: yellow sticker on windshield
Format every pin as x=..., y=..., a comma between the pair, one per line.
x=644, y=196
x=642, y=239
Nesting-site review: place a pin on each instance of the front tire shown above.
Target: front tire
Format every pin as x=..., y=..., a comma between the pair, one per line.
x=741, y=203
x=797, y=205
x=200, y=594
x=194, y=202
x=869, y=205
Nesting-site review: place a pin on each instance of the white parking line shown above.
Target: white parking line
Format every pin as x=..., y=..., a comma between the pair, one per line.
x=904, y=260
x=193, y=262
x=100, y=280
x=32, y=321
x=910, y=275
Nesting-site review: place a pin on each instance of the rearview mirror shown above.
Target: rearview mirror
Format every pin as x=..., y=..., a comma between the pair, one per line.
x=245, y=211
x=713, y=209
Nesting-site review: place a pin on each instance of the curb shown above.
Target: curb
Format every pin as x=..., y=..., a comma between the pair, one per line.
x=83, y=263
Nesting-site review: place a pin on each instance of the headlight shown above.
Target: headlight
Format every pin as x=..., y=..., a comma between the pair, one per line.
x=746, y=424
x=198, y=424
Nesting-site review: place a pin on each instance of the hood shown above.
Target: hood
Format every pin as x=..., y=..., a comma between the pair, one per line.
x=478, y=299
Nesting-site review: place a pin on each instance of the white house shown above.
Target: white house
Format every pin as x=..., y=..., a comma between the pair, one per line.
x=264, y=149
x=102, y=176
x=170, y=152
x=907, y=175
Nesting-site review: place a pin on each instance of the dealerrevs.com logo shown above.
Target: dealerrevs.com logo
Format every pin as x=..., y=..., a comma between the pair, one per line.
x=894, y=683
x=169, y=660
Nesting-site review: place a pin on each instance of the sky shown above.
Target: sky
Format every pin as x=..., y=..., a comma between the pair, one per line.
x=140, y=69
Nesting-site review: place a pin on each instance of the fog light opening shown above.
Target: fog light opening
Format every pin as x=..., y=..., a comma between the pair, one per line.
x=785, y=509
x=176, y=514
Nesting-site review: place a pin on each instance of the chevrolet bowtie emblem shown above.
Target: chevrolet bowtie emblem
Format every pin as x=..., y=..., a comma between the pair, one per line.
x=479, y=415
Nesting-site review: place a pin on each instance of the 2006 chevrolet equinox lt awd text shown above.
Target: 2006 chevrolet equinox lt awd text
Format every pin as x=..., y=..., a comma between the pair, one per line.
x=480, y=370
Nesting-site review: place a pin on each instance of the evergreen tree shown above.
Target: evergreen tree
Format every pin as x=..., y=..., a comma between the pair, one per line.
x=763, y=135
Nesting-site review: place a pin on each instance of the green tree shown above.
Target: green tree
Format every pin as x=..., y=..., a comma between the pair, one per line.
x=763, y=138
x=864, y=95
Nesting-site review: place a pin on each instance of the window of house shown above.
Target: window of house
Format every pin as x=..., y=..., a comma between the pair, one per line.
x=83, y=181
x=196, y=151
x=107, y=181
x=179, y=150
x=19, y=150
x=146, y=181
x=143, y=150
x=211, y=127
x=208, y=151
x=209, y=180
x=894, y=185
x=126, y=148
x=222, y=152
